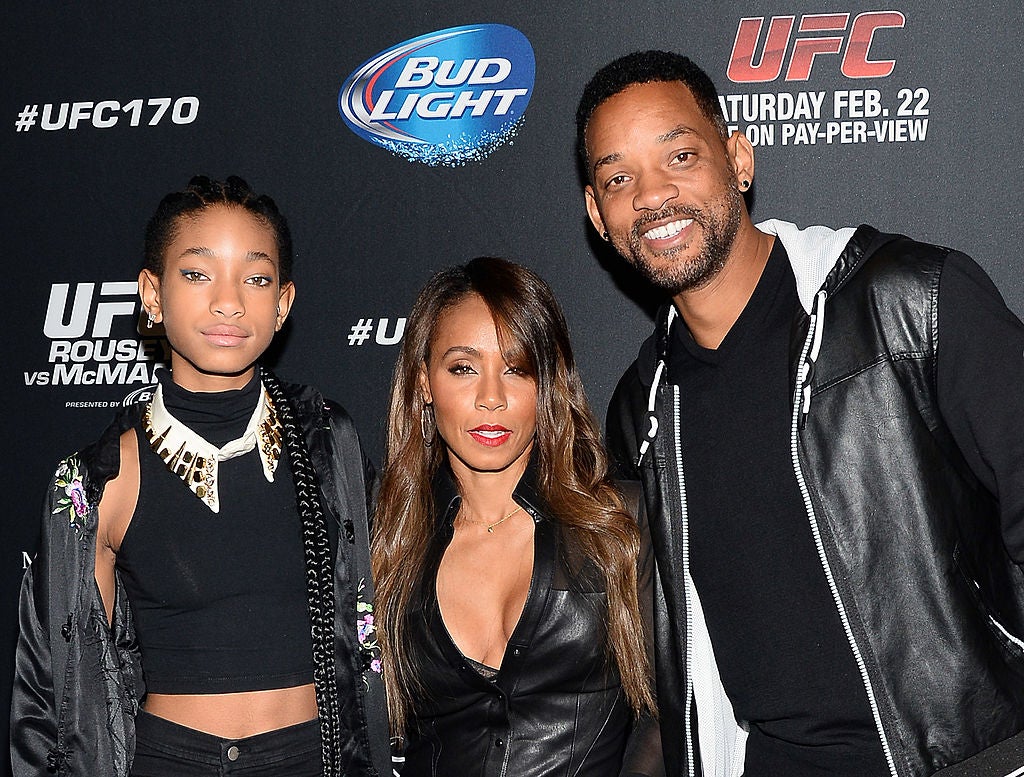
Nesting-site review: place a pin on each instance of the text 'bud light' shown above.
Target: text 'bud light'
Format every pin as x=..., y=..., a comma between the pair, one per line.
x=444, y=98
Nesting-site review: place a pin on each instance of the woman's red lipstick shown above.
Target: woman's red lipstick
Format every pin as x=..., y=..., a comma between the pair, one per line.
x=490, y=435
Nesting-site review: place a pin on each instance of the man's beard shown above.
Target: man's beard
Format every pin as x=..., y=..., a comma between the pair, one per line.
x=718, y=222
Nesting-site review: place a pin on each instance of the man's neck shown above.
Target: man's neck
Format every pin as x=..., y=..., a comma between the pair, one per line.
x=710, y=311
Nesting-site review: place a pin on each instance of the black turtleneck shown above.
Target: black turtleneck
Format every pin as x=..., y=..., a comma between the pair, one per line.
x=217, y=416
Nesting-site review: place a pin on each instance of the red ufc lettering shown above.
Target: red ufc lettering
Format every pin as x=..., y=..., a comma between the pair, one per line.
x=741, y=65
x=856, y=63
x=806, y=49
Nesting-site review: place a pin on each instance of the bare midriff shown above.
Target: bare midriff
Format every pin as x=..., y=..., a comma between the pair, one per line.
x=236, y=715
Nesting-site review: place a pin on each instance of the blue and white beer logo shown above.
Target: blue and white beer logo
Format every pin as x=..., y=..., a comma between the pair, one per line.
x=445, y=98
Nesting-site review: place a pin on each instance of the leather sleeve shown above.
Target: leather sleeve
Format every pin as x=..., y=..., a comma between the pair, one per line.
x=643, y=757
x=979, y=376
x=621, y=426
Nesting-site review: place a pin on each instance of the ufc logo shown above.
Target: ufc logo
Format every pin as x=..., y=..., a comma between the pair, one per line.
x=59, y=326
x=856, y=62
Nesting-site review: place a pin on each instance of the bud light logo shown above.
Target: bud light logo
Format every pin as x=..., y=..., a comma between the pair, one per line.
x=445, y=98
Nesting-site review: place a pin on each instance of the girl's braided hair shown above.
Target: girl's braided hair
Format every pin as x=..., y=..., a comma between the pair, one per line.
x=319, y=572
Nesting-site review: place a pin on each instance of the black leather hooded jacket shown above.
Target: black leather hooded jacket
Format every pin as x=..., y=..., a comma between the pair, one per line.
x=79, y=682
x=910, y=542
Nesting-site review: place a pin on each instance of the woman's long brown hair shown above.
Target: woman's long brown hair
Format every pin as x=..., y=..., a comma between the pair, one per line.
x=571, y=465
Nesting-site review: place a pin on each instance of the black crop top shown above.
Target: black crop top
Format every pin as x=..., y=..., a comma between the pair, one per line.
x=219, y=599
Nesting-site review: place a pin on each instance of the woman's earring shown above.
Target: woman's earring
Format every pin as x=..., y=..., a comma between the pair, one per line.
x=150, y=318
x=428, y=426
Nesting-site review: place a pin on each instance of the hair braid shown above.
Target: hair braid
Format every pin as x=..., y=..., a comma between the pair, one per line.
x=319, y=574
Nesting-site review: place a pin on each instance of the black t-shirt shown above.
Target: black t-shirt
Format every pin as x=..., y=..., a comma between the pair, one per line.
x=779, y=643
x=780, y=646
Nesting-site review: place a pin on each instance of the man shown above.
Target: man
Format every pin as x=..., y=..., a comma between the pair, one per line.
x=828, y=427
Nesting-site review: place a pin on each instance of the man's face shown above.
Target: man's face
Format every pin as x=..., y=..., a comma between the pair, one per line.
x=664, y=184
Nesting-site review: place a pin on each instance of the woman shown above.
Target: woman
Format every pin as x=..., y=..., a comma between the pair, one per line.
x=506, y=565
x=192, y=609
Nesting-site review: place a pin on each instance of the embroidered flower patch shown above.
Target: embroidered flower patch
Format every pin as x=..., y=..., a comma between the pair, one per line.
x=69, y=480
x=366, y=630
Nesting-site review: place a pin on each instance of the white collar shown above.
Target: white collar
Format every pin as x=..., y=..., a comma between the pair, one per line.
x=194, y=459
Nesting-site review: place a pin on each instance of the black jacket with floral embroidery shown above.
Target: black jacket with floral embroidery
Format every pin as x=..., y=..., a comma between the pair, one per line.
x=78, y=682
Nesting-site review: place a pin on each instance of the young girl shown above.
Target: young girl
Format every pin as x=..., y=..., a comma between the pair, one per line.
x=199, y=604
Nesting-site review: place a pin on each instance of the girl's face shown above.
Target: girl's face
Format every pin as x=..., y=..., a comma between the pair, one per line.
x=220, y=297
x=486, y=409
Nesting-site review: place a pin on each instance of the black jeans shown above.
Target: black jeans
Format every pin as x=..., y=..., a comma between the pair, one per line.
x=165, y=749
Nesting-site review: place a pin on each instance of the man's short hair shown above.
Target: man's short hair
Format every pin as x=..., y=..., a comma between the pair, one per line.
x=644, y=67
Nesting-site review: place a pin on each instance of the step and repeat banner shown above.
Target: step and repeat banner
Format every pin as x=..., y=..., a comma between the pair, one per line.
x=403, y=137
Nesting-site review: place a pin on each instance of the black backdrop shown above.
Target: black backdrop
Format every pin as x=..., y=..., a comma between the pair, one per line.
x=254, y=89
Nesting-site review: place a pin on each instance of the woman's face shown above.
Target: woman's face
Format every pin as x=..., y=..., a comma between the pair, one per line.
x=220, y=297
x=486, y=409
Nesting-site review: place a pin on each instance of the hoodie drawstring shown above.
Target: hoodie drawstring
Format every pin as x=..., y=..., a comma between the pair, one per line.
x=817, y=330
x=652, y=419
x=807, y=368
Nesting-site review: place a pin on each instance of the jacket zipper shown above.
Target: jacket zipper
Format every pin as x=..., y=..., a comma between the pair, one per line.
x=687, y=722
x=801, y=405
